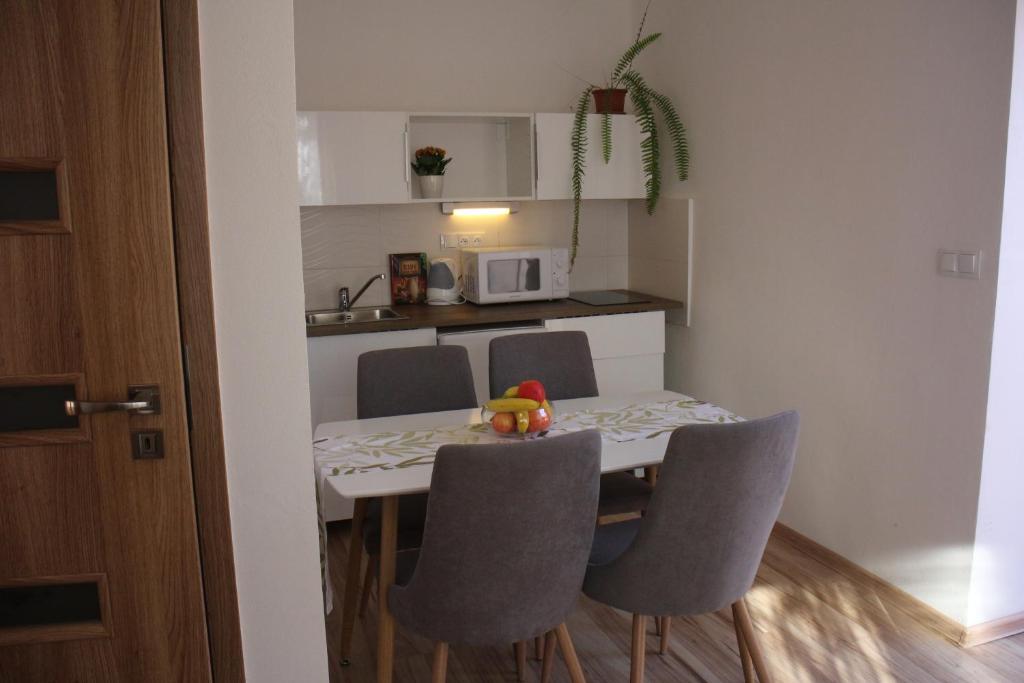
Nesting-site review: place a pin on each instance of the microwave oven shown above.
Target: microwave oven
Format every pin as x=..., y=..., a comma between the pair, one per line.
x=494, y=275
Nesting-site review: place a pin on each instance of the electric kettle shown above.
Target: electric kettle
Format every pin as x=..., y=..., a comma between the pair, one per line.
x=442, y=284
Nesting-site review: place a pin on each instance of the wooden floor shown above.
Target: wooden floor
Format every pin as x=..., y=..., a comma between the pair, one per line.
x=814, y=625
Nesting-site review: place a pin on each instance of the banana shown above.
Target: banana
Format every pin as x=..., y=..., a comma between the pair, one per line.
x=523, y=420
x=511, y=392
x=546, y=406
x=511, y=405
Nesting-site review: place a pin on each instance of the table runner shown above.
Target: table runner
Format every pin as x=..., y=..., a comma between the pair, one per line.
x=348, y=455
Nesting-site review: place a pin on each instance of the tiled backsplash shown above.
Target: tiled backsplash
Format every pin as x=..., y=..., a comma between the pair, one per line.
x=345, y=245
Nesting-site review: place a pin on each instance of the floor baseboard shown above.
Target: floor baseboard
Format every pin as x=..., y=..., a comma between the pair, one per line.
x=993, y=630
x=921, y=612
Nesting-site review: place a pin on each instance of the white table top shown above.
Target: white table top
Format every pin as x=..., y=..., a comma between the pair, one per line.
x=615, y=456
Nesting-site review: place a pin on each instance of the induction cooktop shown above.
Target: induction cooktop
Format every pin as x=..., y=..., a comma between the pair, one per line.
x=608, y=298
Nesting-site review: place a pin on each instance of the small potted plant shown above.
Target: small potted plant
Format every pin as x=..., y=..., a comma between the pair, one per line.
x=429, y=166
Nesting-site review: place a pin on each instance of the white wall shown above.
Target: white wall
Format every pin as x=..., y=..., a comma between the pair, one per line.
x=463, y=56
x=249, y=125
x=836, y=147
x=997, y=579
x=454, y=55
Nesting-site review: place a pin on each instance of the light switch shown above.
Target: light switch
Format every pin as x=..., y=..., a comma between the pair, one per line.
x=948, y=261
x=967, y=264
x=963, y=264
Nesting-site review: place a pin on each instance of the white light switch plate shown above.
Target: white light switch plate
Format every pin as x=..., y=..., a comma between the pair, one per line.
x=962, y=264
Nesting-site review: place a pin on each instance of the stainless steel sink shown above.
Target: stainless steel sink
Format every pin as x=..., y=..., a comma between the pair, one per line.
x=355, y=315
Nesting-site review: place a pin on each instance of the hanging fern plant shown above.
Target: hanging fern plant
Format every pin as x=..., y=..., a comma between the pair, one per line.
x=647, y=102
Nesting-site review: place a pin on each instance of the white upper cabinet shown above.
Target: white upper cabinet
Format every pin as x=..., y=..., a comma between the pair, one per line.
x=353, y=157
x=492, y=155
x=363, y=157
x=621, y=178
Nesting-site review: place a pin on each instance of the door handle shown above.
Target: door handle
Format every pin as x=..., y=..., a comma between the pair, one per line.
x=142, y=400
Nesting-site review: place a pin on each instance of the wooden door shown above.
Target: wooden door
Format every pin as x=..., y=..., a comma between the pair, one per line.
x=99, y=567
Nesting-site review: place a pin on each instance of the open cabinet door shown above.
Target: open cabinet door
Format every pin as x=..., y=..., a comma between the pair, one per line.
x=99, y=574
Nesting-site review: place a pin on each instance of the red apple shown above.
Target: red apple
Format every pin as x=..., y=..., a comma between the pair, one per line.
x=503, y=422
x=540, y=420
x=532, y=389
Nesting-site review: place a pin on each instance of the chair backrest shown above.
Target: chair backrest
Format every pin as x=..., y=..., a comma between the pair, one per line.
x=701, y=540
x=560, y=360
x=509, y=529
x=418, y=379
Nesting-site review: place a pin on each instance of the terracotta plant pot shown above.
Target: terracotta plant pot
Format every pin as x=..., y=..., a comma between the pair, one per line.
x=610, y=101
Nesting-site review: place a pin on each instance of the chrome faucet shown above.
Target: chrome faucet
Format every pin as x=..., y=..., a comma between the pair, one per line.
x=344, y=303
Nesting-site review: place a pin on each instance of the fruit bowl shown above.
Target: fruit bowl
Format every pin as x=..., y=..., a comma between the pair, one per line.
x=523, y=412
x=538, y=422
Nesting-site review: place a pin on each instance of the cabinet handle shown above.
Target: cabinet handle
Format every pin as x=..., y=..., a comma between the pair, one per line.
x=536, y=161
x=405, y=154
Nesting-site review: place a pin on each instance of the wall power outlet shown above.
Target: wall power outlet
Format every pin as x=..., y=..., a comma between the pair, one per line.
x=461, y=240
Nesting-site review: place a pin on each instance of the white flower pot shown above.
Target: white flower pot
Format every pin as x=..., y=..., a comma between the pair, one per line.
x=431, y=186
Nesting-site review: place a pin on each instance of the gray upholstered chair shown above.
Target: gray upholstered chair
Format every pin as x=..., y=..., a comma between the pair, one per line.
x=509, y=531
x=417, y=379
x=562, y=362
x=698, y=548
x=406, y=381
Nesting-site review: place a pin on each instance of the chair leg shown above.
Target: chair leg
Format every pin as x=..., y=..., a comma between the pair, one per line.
x=666, y=626
x=371, y=571
x=520, y=648
x=569, y=654
x=440, y=669
x=748, y=665
x=657, y=626
x=743, y=616
x=550, y=640
x=636, y=661
x=538, y=648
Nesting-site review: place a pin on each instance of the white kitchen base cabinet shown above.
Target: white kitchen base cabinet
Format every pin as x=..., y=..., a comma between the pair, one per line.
x=332, y=368
x=628, y=349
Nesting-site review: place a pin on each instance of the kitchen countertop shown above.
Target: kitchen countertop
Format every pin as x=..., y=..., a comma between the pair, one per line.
x=422, y=315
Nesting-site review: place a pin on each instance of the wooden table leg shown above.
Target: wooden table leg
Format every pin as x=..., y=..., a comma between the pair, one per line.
x=651, y=474
x=386, y=577
x=355, y=559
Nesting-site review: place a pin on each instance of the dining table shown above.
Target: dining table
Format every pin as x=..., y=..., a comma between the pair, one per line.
x=390, y=457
